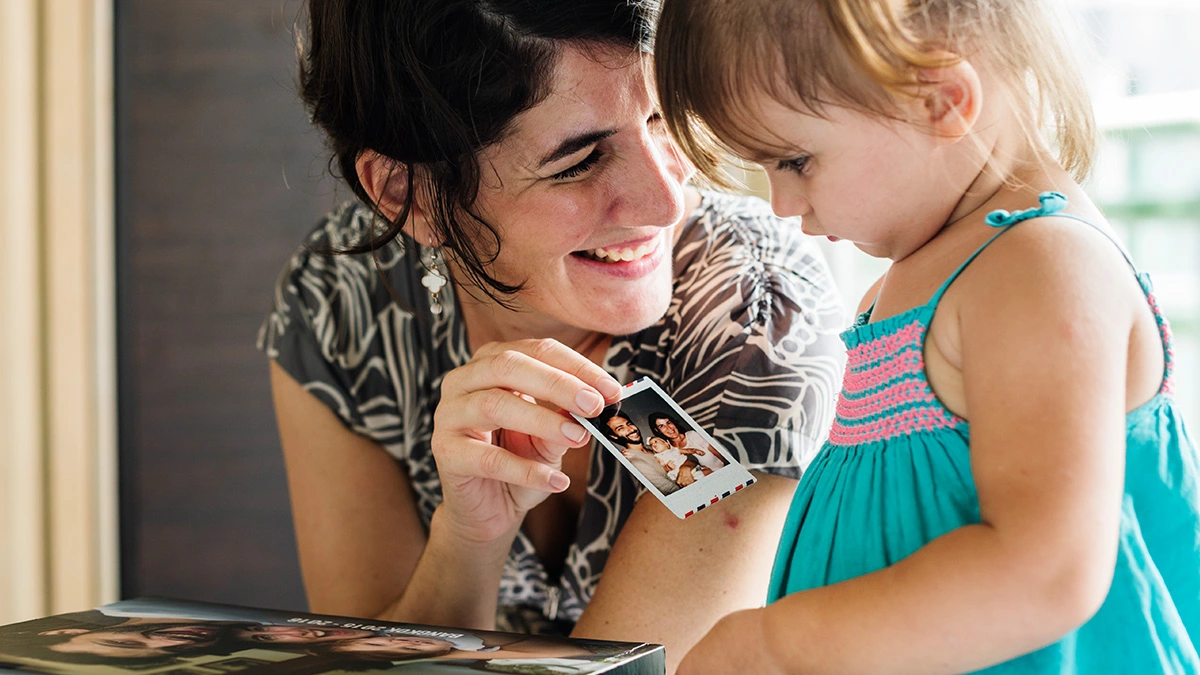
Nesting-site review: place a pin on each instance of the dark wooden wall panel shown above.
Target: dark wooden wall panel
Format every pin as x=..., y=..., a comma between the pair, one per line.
x=218, y=178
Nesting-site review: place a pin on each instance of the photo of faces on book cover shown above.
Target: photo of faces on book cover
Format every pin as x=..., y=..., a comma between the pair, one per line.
x=169, y=637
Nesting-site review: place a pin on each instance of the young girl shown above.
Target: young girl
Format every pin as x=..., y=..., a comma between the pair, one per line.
x=673, y=459
x=1008, y=484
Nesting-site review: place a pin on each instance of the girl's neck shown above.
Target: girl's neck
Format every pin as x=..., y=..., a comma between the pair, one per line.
x=1011, y=173
x=1008, y=170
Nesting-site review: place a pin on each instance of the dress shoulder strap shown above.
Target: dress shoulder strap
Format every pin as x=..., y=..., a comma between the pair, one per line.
x=1051, y=204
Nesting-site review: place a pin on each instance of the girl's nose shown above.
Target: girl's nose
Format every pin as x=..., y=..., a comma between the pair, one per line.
x=786, y=200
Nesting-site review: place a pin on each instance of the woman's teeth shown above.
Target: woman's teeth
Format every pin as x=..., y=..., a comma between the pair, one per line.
x=612, y=255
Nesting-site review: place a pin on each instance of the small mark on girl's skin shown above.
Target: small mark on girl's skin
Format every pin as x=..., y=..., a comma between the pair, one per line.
x=732, y=522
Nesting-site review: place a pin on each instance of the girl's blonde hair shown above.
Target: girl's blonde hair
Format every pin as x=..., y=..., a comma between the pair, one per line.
x=859, y=54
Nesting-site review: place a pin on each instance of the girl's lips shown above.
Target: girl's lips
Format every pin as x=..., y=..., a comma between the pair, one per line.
x=832, y=238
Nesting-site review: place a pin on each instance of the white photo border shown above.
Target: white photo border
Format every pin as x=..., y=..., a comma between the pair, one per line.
x=692, y=499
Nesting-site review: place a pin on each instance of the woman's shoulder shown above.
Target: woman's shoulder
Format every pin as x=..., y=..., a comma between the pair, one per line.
x=335, y=296
x=743, y=230
x=735, y=254
x=348, y=225
x=320, y=271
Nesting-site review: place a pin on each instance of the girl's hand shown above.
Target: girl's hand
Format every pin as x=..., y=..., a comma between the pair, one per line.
x=498, y=451
x=737, y=644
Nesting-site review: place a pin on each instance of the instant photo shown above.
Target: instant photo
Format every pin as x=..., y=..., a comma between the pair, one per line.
x=680, y=463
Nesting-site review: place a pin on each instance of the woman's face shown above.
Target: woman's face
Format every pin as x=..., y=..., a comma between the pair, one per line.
x=267, y=633
x=667, y=428
x=402, y=645
x=585, y=192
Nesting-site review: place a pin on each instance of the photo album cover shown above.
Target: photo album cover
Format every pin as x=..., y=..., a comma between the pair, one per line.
x=151, y=636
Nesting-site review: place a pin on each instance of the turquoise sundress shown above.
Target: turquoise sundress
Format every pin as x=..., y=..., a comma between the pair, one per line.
x=895, y=474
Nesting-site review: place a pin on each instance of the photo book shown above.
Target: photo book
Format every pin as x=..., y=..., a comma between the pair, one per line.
x=152, y=636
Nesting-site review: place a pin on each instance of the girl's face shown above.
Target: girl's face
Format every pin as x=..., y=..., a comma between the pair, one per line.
x=659, y=445
x=886, y=186
x=585, y=192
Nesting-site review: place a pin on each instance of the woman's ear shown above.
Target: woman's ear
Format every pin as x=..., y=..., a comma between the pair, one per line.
x=65, y=631
x=953, y=98
x=386, y=182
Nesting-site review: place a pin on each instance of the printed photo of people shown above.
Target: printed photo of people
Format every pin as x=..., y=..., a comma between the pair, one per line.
x=161, y=637
x=670, y=452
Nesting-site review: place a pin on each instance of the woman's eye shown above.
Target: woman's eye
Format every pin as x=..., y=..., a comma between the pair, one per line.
x=796, y=165
x=580, y=168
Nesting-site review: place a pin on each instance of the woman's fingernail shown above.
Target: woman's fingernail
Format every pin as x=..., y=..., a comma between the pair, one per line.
x=574, y=432
x=559, y=481
x=588, y=401
x=609, y=388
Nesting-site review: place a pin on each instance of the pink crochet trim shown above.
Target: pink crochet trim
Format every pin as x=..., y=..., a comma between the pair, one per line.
x=886, y=346
x=903, y=394
x=1164, y=329
x=908, y=422
x=903, y=365
x=885, y=393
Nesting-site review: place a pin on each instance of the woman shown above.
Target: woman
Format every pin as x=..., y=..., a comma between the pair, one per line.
x=668, y=428
x=526, y=243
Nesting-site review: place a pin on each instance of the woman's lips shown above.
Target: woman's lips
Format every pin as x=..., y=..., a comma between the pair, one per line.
x=639, y=266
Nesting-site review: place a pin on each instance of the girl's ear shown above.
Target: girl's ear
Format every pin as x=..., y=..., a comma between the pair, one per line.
x=953, y=98
x=386, y=183
x=65, y=631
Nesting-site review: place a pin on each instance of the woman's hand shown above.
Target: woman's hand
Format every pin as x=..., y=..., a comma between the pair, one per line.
x=736, y=644
x=498, y=450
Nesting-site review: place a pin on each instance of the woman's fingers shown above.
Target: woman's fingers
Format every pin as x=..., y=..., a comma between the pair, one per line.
x=478, y=459
x=494, y=409
x=545, y=369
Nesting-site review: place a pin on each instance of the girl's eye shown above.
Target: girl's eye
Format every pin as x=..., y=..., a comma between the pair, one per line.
x=796, y=165
x=580, y=168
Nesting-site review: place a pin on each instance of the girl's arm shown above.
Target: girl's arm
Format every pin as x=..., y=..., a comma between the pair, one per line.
x=1043, y=359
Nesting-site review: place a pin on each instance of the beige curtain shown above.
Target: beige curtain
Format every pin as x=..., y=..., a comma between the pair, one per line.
x=58, y=536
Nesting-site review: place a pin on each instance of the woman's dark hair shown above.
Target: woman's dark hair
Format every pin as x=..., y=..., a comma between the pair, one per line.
x=432, y=82
x=654, y=419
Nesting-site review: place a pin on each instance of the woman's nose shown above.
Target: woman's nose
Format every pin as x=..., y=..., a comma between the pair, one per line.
x=653, y=184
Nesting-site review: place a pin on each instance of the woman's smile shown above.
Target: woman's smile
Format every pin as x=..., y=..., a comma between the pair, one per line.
x=629, y=260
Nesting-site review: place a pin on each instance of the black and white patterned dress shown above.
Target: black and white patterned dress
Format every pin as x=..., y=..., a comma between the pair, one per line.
x=749, y=347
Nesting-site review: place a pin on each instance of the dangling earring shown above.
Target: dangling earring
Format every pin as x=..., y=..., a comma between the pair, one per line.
x=433, y=281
